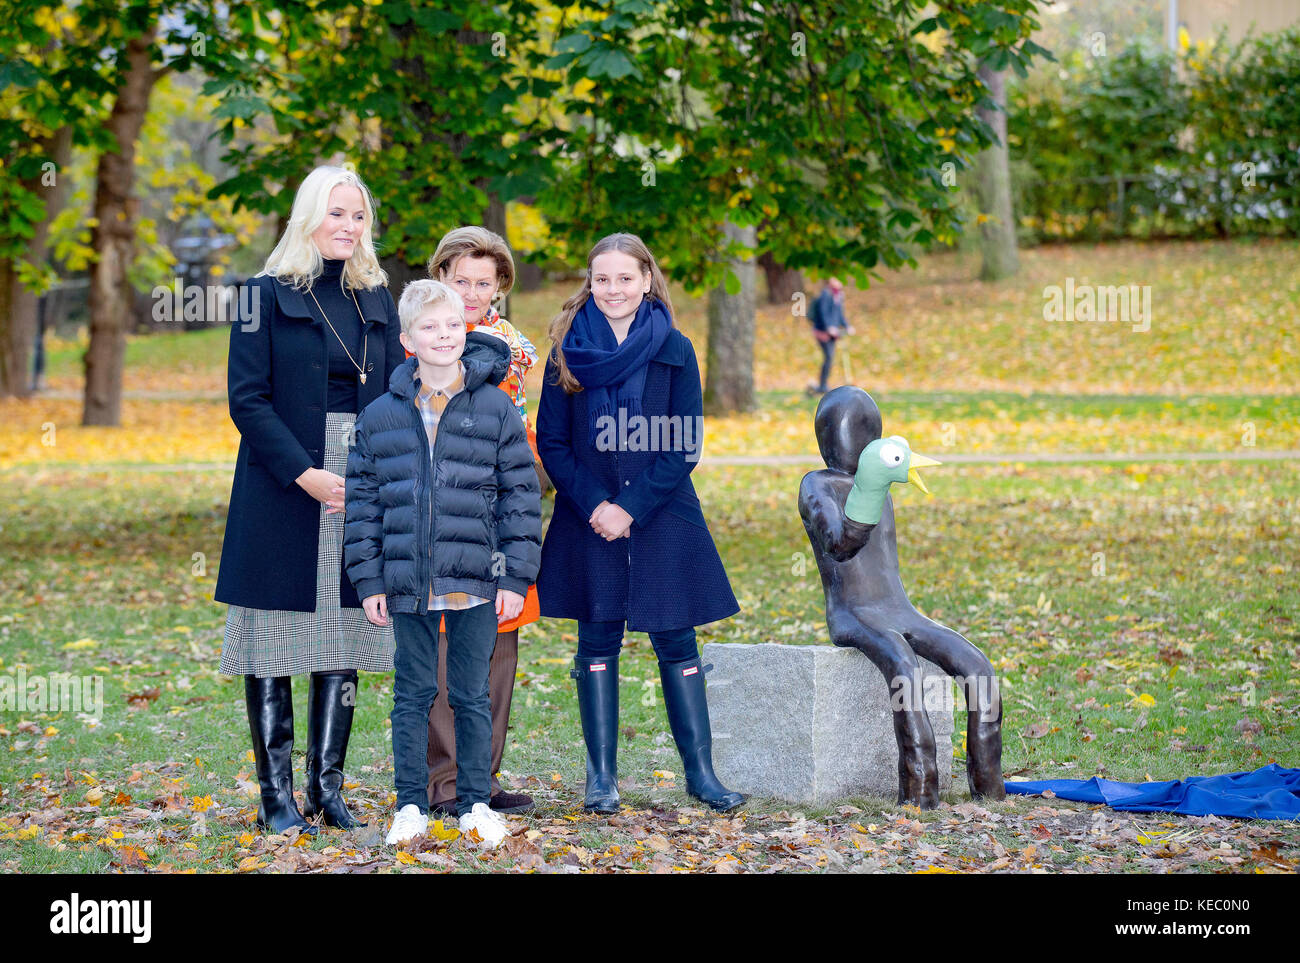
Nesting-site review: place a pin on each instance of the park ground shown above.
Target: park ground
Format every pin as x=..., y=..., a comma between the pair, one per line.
x=1141, y=610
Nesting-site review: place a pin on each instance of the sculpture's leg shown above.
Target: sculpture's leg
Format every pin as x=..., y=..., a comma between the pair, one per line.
x=918, y=772
x=974, y=674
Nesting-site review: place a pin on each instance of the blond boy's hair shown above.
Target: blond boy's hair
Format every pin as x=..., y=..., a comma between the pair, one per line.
x=474, y=242
x=419, y=296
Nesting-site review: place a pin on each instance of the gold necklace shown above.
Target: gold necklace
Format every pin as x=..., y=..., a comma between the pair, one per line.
x=365, y=345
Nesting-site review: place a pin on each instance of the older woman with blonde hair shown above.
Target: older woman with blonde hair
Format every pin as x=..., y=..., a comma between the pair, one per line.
x=314, y=345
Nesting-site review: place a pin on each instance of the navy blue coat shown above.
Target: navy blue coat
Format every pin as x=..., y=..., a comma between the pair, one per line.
x=667, y=573
x=474, y=523
x=277, y=379
x=826, y=313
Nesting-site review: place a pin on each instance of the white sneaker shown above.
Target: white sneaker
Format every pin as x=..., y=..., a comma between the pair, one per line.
x=491, y=825
x=408, y=824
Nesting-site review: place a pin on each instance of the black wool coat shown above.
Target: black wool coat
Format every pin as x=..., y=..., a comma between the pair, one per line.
x=470, y=520
x=277, y=379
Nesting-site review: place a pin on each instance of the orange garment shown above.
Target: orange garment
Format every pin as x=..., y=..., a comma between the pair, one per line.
x=530, y=613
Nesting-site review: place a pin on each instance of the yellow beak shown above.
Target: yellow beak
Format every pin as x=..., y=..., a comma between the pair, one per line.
x=919, y=461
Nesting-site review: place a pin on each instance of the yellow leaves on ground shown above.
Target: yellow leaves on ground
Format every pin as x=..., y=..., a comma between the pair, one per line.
x=38, y=431
x=438, y=831
x=1223, y=321
x=1146, y=700
x=1220, y=316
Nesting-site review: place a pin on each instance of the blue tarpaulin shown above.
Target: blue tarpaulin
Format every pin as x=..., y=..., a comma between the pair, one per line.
x=1270, y=792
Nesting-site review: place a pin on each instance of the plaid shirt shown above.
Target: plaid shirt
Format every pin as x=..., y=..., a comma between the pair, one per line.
x=431, y=402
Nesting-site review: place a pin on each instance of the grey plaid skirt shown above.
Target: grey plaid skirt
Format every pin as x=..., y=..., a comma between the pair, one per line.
x=271, y=642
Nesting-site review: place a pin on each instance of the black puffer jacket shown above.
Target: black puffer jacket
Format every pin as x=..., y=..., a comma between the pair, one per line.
x=483, y=513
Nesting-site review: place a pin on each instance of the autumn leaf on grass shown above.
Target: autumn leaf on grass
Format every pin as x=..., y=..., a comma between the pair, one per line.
x=141, y=700
x=80, y=644
x=131, y=857
x=1248, y=727
x=438, y=831
x=94, y=796
x=406, y=858
x=517, y=846
x=1037, y=730
x=249, y=864
x=1146, y=699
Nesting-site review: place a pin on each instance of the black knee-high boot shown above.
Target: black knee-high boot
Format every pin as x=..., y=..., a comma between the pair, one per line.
x=688, y=716
x=330, y=703
x=598, y=705
x=270, y=720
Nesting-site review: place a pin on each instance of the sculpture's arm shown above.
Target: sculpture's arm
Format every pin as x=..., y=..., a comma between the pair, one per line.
x=838, y=536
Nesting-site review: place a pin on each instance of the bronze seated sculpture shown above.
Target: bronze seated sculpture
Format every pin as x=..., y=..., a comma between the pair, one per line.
x=849, y=518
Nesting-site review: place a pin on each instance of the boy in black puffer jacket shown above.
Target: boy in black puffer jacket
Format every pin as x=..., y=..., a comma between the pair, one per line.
x=443, y=518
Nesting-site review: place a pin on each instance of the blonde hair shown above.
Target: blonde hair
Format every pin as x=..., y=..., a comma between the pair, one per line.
x=474, y=242
x=627, y=244
x=418, y=296
x=296, y=258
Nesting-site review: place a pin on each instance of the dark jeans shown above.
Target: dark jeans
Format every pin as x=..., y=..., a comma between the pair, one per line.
x=603, y=640
x=828, y=355
x=471, y=636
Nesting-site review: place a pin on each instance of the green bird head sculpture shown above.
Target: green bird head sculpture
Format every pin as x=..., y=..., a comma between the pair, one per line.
x=882, y=463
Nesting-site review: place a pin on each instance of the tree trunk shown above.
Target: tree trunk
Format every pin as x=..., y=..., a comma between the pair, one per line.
x=729, y=378
x=782, y=282
x=113, y=238
x=18, y=306
x=494, y=219
x=399, y=273
x=993, y=187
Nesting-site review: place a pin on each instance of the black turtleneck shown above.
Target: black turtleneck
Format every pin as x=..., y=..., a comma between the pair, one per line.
x=342, y=312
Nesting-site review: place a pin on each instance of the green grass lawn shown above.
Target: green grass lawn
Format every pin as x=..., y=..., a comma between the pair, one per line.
x=1142, y=616
x=1182, y=659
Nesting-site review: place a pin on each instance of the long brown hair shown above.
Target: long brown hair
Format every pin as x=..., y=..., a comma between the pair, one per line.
x=628, y=244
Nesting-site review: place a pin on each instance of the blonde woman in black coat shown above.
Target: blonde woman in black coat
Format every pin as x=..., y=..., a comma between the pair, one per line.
x=315, y=344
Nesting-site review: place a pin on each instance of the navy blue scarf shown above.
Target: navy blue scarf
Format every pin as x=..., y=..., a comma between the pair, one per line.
x=614, y=373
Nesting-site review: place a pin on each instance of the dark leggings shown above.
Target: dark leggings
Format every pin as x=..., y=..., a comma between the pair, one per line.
x=828, y=356
x=603, y=640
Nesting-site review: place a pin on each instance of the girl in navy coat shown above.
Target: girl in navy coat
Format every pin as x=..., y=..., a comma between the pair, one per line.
x=618, y=432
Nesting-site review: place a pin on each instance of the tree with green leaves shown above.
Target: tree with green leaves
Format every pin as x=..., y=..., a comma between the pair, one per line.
x=89, y=68
x=826, y=130
x=420, y=98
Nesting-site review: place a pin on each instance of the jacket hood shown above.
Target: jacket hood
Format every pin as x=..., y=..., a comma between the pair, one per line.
x=847, y=420
x=486, y=358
